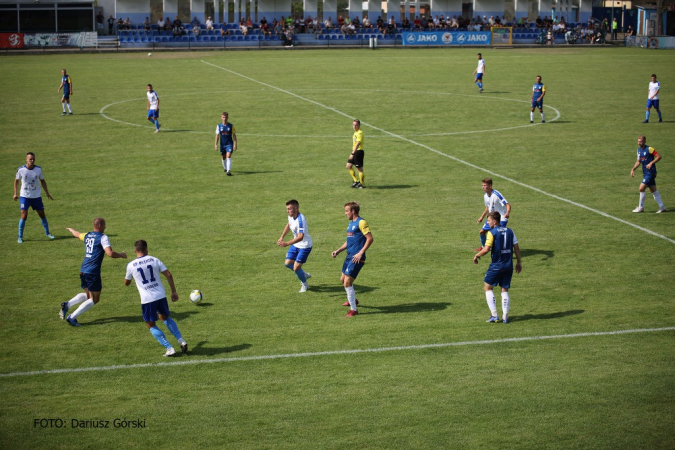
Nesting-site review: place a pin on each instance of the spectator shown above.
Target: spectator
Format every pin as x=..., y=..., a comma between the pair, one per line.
x=340, y=22
x=288, y=37
x=405, y=24
x=209, y=23
x=356, y=23
x=147, y=26
x=630, y=32
x=425, y=22
x=380, y=25
x=308, y=24
x=177, y=27
x=278, y=30
x=539, y=22
x=491, y=21
x=454, y=23
x=366, y=22
x=127, y=24
x=417, y=23
x=344, y=29
x=120, y=24
x=160, y=23
x=317, y=27
x=195, y=22
x=100, y=18
x=196, y=30
x=249, y=23
x=435, y=23
x=615, y=29
x=224, y=31
x=391, y=26
x=328, y=24
x=243, y=27
x=111, y=24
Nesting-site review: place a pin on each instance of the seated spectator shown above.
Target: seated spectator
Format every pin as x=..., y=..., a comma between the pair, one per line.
x=209, y=23
x=454, y=23
x=499, y=21
x=328, y=24
x=379, y=23
x=417, y=23
x=434, y=23
x=147, y=26
x=461, y=22
x=288, y=37
x=308, y=24
x=249, y=23
x=366, y=22
x=243, y=27
x=263, y=21
x=539, y=22
x=196, y=30
x=195, y=22
x=177, y=27
x=120, y=24
x=356, y=22
x=278, y=30
x=127, y=24
x=289, y=22
x=341, y=21
x=265, y=29
x=224, y=31
x=344, y=29
x=491, y=20
x=160, y=23
x=405, y=24
x=316, y=26
x=391, y=26
x=425, y=22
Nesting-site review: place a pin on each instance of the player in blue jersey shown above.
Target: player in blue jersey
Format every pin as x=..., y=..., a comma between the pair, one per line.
x=96, y=247
x=653, y=99
x=537, y=100
x=494, y=201
x=648, y=157
x=145, y=270
x=502, y=242
x=479, y=72
x=359, y=239
x=153, y=108
x=67, y=86
x=227, y=135
x=300, y=245
x=29, y=175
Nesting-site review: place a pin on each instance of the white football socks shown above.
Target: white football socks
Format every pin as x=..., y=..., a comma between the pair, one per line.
x=86, y=306
x=657, y=197
x=490, y=297
x=79, y=298
x=643, y=195
x=228, y=162
x=506, y=301
x=351, y=297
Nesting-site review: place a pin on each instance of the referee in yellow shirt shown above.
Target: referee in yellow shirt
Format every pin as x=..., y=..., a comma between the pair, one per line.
x=356, y=157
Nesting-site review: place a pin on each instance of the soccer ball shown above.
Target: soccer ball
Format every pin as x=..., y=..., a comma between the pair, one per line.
x=149, y=54
x=196, y=296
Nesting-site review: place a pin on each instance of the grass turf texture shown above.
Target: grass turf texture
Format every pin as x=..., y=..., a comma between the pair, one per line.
x=582, y=272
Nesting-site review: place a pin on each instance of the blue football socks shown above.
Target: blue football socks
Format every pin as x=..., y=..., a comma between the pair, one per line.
x=159, y=335
x=301, y=275
x=647, y=116
x=22, y=225
x=173, y=328
x=483, y=239
x=45, y=224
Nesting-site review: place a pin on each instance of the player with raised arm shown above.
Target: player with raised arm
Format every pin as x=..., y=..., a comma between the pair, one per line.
x=648, y=157
x=494, y=201
x=153, y=108
x=479, y=72
x=96, y=247
x=300, y=246
x=502, y=242
x=653, y=98
x=67, y=86
x=537, y=100
x=30, y=195
x=227, y=135
x=359, y=239
x=145, y=270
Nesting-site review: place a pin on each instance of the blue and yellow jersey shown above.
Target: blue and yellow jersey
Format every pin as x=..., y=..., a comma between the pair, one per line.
x=356, y=237
x=501, y=241
x=225, y=132
x=95, y=244
x=538, y=89
x=645, y=156
x=358, y=137
x=66, y=83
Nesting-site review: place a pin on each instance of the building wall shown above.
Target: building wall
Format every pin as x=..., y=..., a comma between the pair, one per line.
x=135, y=10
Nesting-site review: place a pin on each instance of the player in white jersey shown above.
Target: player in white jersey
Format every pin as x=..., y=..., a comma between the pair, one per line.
x=653, y=98
x=145, y=270
x=31, y=178
x=153, y=108
x=494, y=201
x=300, y=245
x=479, y=72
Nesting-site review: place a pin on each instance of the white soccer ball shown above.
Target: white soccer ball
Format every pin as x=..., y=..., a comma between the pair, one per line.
x=149, y=54
x=196, y=296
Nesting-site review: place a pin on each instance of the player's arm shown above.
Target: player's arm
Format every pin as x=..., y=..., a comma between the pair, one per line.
x=234, y=140
x=169, y=278
x=486, y=248
x=543, y=92
x=516, y=250
x=16, y=187
x=44, y=186
x=76, y=233
x=60, y=87
x=109, y=251
x=217, y=139
x=280, y=241
x=655, y=94
x=70, y=85
x=657, y=158
x=366, y=246
x=508, y=210
x=482, y=216
x=632, y=171
x=339, y=250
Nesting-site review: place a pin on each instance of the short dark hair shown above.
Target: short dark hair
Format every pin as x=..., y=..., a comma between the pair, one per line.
x=354, y=206
x=487, y=181
x=141, y=246
x=293, y=202
x=654, y=75
x=30, y=153
x=480, y=54
x=224, y=113
x=495, y=216
x=357, y=121
x=150, y=86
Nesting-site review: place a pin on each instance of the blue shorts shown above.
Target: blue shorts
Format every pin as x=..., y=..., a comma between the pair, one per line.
x=495, y=277
x=35, y=203
x=66, y=95
x=538, y=104
x=154, y=113
x=350, y=268
x=649, y=180
x=225, y=149
x=299, y=255
x=501, y=223
x=91, y=282
x=151, y=309
x=479, y=76
x=654, y=103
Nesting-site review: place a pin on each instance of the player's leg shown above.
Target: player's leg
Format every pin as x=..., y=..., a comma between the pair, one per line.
x=158, y=334
x=228, y=161
x=65, y=306
x=506, y=302
x=350, y=271
x=649, y=110
x=490, y=281
x=223, y=156
x=301, y=259
x=23, y=217
x=658, y=111
x=45, y=224
x=541, y=111
x=92, y=285
x=70, y=110
x=63, y=105
x=657, y=197
x=350, y=168
x=532, y=113
x=643, y=196
x=483, y=235
x=164, y=316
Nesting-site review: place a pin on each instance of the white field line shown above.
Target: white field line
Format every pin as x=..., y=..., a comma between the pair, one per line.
x=410, y=141
x=333, y=352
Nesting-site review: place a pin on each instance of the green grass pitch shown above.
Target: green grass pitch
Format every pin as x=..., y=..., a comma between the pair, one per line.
x=589, y=264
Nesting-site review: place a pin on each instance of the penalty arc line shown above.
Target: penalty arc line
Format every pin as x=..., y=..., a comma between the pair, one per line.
x=334, y=352
x=419, y=144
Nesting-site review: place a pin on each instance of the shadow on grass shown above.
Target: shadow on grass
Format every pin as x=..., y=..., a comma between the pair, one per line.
x=199, y=349
x=532, y=252
x=338, y=289
x=136, y=319
x=403, y=308
x=256, y=173
x=393, y=186
x=555, y=315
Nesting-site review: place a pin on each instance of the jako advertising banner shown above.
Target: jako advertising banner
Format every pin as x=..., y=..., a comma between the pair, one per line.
x=447, y=38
